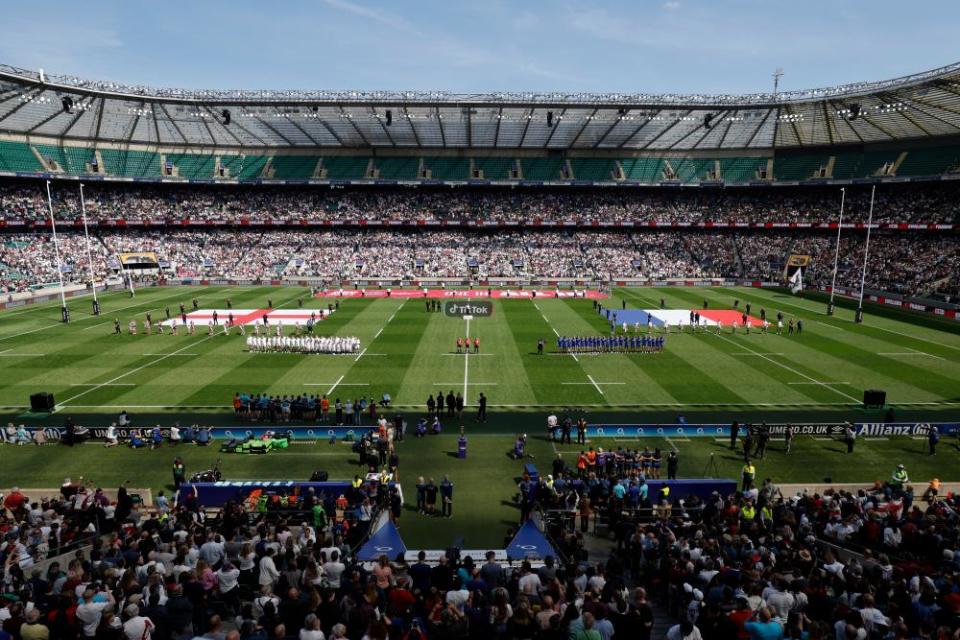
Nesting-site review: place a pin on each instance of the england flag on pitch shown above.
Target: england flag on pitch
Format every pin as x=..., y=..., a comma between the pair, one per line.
x=796, y=281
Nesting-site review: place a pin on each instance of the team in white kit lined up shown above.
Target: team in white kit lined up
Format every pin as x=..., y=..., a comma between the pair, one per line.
x=303, y=344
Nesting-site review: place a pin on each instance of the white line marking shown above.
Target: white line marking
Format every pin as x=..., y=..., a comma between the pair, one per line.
x=17, y=335
x=672, y=446
x=925, y=353
x=472, y=384
x=588, y=383
x=788, y=368
x=377, y=334
x=811, y=310
x=939, y=344
x=164, y=354
x=475, y=355
x=337, y=383
x=360, y=355
x=339, y=380
x=466, y=361
x=759, y=354
x=19, y=355
x=827, y=324
x=60, y=405
x=912, y=352
x=594, y=382
x=827, y=383
x=116, y=384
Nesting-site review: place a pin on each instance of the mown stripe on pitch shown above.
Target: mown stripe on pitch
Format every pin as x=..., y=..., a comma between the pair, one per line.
x=691, y=382
x=700, y=371
x=651, y=373
x=527, y=325
x=927, y=342
x=764, y=368
x=908, y=374
x=384, y=374
x=239, y=374
x=84, y=349
x=192, y=366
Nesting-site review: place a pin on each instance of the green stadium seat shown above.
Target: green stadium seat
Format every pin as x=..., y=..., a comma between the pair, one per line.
x=201, y=167
x=294, y=167
x=741, y=169
x=593, y=168
x=495, y=168
x=346, y=167
x=542, y=168
x=643, y=169
x=131, y=164
x=801, y=167
x=448, y=168
x=929, y=162
x=17, y=156
x=244, y=167
x=402, y=168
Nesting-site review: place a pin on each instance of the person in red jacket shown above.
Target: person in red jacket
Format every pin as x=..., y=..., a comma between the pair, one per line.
x=476, y=345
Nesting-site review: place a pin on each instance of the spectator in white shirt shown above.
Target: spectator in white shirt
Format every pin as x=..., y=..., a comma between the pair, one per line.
x=137, y=627
x=91, y=610
x=311, y=628
x=268, y=570
x=529, y=582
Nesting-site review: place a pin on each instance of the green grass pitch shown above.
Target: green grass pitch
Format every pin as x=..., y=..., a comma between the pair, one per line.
x=706, y=378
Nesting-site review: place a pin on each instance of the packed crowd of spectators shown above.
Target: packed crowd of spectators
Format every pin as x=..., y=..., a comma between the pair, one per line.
x=764, y=563
x=930, y=202
x=757, y=563
x=915, y=264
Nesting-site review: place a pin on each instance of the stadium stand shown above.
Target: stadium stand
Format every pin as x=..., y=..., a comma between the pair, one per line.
x=799, y=167
x=496, y=168
x=244, y=167
x=16, y=156
x=400, y=168
x=131, y=164
x=643, y=169
x=598, y=169
x=71, y=160
x=293, y=167
x=448, y=168
x=742, y=169
x=541, y=168
x=930, y=162
x=346, y=167
x=193, y=166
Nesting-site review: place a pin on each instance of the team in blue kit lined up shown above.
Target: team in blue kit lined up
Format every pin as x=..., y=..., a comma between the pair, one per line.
x=608, y=344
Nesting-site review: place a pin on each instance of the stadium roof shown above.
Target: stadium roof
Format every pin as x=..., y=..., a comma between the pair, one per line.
x=919, y=106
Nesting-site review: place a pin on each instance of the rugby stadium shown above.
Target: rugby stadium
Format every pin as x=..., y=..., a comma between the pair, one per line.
x=310, y=292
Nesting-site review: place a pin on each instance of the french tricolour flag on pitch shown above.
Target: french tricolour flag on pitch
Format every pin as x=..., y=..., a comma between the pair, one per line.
x=673, y=317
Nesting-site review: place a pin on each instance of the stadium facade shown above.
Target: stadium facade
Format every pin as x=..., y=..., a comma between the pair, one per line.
x=902, y=129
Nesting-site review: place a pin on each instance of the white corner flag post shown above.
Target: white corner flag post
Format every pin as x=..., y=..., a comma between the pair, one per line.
x=64, y=312
x=86, y=235
x=836, y=255
x=866, y=254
